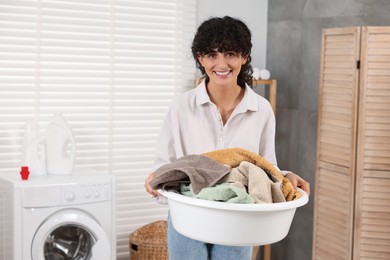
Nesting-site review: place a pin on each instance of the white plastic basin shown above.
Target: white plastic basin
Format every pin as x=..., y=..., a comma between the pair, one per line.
x=229, y=223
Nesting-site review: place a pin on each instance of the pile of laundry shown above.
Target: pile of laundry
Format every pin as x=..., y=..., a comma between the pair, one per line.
x=232, y=175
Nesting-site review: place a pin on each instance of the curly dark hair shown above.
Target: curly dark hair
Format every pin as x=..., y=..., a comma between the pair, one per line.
x=225, y=34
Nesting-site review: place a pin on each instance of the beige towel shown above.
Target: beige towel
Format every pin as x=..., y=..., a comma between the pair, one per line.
x=234, y=156
x=256, y=181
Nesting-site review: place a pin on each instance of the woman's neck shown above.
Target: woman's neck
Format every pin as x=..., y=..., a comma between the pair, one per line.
x=226, y=98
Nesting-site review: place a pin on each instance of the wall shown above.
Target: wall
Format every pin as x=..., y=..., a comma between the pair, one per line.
x=293, y=57
x=253, y=13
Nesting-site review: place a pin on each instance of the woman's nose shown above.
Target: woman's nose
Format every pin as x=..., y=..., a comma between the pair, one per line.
x=221, y=60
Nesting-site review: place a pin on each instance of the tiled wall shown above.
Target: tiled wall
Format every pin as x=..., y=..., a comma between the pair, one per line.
x=293, y=58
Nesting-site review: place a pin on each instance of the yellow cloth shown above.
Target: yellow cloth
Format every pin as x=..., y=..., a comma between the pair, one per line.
x=234, y=156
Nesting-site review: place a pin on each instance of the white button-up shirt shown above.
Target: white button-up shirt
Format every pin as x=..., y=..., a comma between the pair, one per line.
x=193, y=125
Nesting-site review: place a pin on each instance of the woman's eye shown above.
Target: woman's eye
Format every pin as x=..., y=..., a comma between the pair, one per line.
x=211, y=55
x=231, y=54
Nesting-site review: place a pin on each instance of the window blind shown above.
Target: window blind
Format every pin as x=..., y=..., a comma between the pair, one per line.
x=111, y=68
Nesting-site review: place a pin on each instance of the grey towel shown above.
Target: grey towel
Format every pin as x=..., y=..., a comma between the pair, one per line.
x=200, y=170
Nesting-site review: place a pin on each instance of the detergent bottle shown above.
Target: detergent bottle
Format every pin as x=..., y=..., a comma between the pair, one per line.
x=60, y=147
x=33, y=153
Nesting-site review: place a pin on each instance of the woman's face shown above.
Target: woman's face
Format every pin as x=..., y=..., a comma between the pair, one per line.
x=222, y=67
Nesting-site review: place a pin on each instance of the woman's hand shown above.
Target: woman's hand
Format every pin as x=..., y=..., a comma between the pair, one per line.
x=298, y=182
x=149, y=189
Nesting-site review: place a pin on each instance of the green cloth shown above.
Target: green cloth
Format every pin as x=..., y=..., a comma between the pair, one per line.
x=224, y=192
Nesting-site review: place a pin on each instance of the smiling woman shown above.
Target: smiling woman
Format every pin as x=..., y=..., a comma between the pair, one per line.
x=229, y=37
x=111, y=68
x=222, y=112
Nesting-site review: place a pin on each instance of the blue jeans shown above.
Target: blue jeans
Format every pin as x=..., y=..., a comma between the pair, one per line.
x=181, y=247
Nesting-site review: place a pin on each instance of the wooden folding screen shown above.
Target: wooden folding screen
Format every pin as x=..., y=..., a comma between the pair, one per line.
x=352, y=190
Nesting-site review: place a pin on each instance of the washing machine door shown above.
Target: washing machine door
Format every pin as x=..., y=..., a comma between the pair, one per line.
x=70, y=235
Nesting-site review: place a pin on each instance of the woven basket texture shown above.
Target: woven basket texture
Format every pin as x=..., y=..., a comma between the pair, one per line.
x=149, y=242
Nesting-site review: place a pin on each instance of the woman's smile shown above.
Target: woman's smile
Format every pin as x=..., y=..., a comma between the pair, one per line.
x=222, y=73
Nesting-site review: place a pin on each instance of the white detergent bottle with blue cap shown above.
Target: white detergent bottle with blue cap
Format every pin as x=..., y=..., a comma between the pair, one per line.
x=60, y=147
x=33, y=154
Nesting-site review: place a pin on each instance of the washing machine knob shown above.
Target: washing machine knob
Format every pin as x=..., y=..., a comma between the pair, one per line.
x=69, y=196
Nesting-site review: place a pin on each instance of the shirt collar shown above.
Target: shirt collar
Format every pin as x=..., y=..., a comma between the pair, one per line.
x=249, y=101
x=201, y=94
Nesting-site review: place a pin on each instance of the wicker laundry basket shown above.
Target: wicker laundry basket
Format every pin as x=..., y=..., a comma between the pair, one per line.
x=149, y=242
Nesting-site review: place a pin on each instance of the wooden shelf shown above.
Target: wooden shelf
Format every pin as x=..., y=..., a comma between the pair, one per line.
x=272, y=83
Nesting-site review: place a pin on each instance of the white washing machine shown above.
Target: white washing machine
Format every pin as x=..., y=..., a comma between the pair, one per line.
x=57, y=217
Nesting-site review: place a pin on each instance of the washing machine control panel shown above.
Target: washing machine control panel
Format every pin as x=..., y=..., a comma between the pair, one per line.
x=71, y=193
x=85, y=193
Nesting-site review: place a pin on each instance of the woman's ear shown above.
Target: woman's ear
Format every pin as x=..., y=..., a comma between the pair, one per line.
x=244, y=60
x=200, y=59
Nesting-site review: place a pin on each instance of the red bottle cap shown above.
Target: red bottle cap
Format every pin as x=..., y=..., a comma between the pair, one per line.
x=24, y=172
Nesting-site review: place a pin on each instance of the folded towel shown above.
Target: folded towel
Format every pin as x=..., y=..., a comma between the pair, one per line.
x=200, y=170
x=234, y=156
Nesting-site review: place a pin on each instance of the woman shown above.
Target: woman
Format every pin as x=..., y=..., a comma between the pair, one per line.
x=222, y=112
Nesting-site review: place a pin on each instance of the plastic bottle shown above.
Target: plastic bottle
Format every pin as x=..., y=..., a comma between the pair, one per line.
x=60, y=147
x=33, y=154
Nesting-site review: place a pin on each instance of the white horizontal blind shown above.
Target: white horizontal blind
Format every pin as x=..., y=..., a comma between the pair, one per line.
x=111, y=68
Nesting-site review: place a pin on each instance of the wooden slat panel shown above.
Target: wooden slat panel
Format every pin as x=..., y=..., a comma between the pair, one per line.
x=378, y=79
x=330, y=239
x=372, y=208
x=337, y=116
x=373, y=233
x=378, y=126
x=374, y=117
x=333, y=226
x=379, y=58
x=334, y=115
x=378, y=119
x=339, y=55
x=334, y=212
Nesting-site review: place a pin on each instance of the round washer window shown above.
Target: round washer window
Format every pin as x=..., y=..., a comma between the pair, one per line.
x=68, y=242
